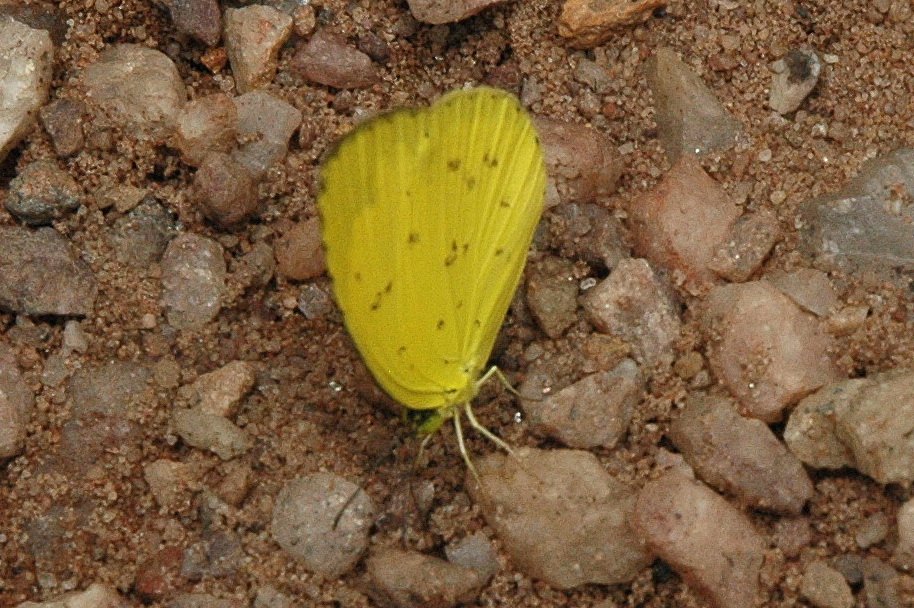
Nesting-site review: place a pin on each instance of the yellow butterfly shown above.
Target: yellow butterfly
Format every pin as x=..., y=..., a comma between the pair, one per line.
x=427, y=217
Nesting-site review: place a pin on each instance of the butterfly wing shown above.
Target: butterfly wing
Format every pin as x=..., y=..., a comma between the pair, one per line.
x=427, y=216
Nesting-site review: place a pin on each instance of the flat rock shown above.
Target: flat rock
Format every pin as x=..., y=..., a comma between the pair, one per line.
x=711, y=544
x=193, y=281
x=253, y=36
x=766, y=350
x=682, y=223
x=594, y=411
x=796, y=75
x=42, y=192
x=582, y=165
x=266, y=123
x=408, y=579
x=448, y=11
x=42, y=274
x=327, y=59
x=633, y=304
x=552, y=295
x=211, y=432
x=308, y=523
x=26, y=63
x=560, y=516
x=199, y=19
x=867, y=224
x=740, y=456
x=690, y=119
x=587, y=24
x=134, y=87
x=207, y=124
x=220, y=391
x=809, y=288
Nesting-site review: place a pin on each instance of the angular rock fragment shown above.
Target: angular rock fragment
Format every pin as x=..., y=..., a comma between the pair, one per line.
x=587, y=24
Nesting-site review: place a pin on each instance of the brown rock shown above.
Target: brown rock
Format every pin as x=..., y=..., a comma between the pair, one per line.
x=740, y=456
x=221, y=391
x=589, y=23
x=448, y=11
x=707, y=541
x=63, y=120
x=299, y=255
x=253, y=36
x=160, y=575
x=751, y=239
x=681, y=223
x=764, y=348
x=42, y=192
x=552, y=295
x=326, y=59
x=199, y=19
x=225, y=190
x=581, y=163
x=207, y=124
x=407, y=579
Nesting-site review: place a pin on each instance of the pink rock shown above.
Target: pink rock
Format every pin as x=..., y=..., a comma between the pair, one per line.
x=682, y=223
x=253, y=36
x=328, y=60
x=633, y=304
x=711, y=544
x=207, y=124
x=764, y=348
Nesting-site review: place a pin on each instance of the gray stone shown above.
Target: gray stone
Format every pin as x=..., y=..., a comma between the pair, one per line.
x=560, y=516
x=795, y=77
x=474, y=551
x=690, y=119
x=310, y=523
x=218, y=555
x=193, y=281
x=41, y=274
x=140, y=237
x=266, y=123
x=41, y=193
x=26, y=63
x=407, y=579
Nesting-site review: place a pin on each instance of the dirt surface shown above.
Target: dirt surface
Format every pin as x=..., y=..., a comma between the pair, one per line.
x=309, y=411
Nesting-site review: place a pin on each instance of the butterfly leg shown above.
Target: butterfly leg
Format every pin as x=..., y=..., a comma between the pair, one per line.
x=484, y=431
x=458, y=429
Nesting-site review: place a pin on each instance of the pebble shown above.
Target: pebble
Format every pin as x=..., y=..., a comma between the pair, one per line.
x=218, y=555
x=474, y=551
x=904, y=550
x=42, y=274
x=266, y=123
x=581, y=163
x=299, y=254
x=682, y=222
x=594, y=411
x=225, y=190
x=160, y=576
x=864, y=226
x=588, y=232
x=140, y=237
x=63, y=120
x=74, y=339
x=207, y=431
x=825, y=587
x=304, y=20
x=880, y=585
x=220, y=392
x=792, y=535
x=42, y=192
x=632, y=303
x=193, y=281
x=740, y=456
x=136, y=87
x=588, y=24
x=796, y=75
x=170, y=483
x=690, y=120
x=236, y=483
x=253, y=36
x=552, y=295
x=437, y=12
x=408, y=579
x=314, y=301
x=205, y=125
x=560, y=516
x=256, y=267
x=26, y=64
x=809, y=288
x=752, y=237
x=96, y=595
x=810, y=431
x=328, y=60
x=199, y=19
x=766, y=350
x=303, y=522
x=706, y=540
x=872, y=531
x=17, y=403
